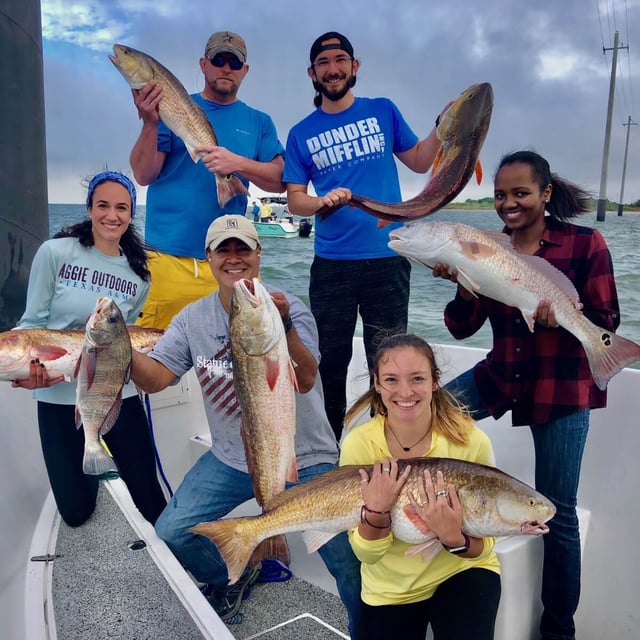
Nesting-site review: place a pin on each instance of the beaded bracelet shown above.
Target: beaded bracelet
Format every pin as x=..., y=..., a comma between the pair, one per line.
x=363, y=517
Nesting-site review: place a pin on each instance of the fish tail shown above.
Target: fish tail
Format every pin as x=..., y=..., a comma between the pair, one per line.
x=234, y=541
x=274, y=548
x=228, y=187
x=608, y=355
x=96, y=460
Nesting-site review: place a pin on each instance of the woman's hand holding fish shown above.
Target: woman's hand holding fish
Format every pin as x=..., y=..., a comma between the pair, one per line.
x=439, y=507
x=441, y=270
x=379, y=494
x=147, y=100
x=545, y=315
x=38, y=377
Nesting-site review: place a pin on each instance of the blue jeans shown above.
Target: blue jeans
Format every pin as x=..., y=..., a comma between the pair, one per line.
x=209, y=491
x=559, y=446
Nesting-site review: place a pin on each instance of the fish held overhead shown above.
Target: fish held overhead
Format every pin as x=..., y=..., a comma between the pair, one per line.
x=177, y=110
x=103, y=370
x=493, y=504
x=487, y=264
x=264, y=381
x=462, y=131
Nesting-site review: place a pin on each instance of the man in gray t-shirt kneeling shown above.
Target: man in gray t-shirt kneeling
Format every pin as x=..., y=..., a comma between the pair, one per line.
x=198, y=337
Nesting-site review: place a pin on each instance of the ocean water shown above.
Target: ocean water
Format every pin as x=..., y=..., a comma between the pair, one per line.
x=286, y=263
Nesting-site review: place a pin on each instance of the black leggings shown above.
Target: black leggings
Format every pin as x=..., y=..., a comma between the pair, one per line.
x=463, y=607
x=129, y=440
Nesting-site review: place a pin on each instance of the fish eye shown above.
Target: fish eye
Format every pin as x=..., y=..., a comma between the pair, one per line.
x=111, y=319
x=532, y=502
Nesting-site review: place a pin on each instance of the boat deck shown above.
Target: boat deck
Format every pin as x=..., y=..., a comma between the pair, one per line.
x=106, y=584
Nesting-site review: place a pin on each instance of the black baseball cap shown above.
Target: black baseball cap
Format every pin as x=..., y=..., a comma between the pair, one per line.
x=317, y=47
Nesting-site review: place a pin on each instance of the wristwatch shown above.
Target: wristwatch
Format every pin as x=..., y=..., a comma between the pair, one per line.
x=461, y=548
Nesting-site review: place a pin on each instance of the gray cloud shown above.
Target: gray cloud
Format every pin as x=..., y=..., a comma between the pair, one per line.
x=545, y=61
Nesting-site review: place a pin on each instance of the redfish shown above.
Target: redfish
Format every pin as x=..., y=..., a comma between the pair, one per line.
x=177, y=109
x=488, y=264
x=58, y=350
x=265, y=386
x=462, y=130
x=493, y=504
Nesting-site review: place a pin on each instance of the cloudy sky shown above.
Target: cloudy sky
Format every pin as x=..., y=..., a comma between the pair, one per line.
x=544, y=59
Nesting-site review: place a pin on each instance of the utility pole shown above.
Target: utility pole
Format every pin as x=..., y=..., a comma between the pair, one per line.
x=624, y=164
x=602, y=199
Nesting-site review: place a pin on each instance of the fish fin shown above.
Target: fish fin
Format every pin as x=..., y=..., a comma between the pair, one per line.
x=294, y=378
x=429, y=549
x=78, y=418
x=292, y=473
x=96, y=460
x=228, y=187
x=478, y=172
x=437, y=161
x=112, y=416
x=192, y=152
x=476, y=249
x=608, y=354
x=468, y=283
x=272, y=370
x=235, y=540
x=46, y=352
x=417, y=521
x=89, y=361
x=313, y=540
x=382, y=223
x=274, y=548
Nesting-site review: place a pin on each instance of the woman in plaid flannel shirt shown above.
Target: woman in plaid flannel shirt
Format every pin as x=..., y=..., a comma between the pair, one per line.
x=543, y=377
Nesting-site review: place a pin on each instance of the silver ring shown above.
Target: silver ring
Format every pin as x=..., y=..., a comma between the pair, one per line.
x=387, y=469
x=441, y=494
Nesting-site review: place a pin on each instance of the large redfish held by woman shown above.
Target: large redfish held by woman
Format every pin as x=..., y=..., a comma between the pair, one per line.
x=488, y=264
x=103, y=370
x=493, y=504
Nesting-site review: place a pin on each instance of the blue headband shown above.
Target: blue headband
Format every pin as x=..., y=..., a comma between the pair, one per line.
x=112, y=176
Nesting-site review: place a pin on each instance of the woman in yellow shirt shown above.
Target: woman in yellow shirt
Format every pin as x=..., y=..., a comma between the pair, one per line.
x=458, y=591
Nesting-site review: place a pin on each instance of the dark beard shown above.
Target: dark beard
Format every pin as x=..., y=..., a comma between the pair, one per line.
x=335, y=97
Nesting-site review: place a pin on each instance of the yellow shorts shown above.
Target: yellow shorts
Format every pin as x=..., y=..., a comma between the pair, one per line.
x=175, y=282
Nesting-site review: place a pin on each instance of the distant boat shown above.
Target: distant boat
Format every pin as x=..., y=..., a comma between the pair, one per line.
x=278, y=228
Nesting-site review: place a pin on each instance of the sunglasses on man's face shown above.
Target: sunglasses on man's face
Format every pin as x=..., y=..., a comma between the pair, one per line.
x=220, y=59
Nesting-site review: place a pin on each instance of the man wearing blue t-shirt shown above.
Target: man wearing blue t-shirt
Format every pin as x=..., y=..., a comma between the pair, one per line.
x=348, y=144
x=182, y=198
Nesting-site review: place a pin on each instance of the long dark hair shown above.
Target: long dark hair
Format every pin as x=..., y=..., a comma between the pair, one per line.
x=132, y=245
x=448, y=416
x=568, y=200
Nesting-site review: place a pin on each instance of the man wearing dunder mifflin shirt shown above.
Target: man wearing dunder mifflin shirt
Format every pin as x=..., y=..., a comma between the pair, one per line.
x=347, y=145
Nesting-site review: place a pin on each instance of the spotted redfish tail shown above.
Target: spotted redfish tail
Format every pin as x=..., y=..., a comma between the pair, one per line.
x=610, y=355
x=229, y=187
x=234, y=541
